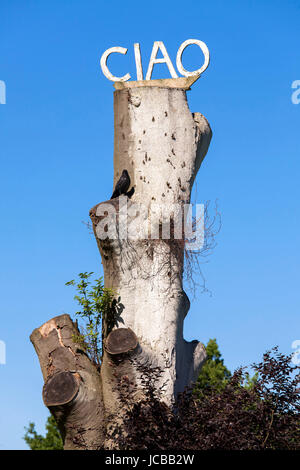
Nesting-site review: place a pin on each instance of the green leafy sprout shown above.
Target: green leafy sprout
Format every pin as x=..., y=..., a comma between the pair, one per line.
x=96, y=304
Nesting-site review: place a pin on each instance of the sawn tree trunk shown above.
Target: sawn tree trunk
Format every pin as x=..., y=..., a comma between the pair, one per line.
x=161, y=144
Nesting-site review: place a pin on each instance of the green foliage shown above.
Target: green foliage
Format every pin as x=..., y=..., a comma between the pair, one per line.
x=250, y=382
x=52, y=440
x=214, y=374
x=95, y=302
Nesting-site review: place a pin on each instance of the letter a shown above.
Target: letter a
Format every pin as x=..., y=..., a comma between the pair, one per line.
x=165, y=60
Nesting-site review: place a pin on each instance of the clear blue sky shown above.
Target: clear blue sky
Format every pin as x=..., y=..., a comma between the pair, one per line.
x=56, y=147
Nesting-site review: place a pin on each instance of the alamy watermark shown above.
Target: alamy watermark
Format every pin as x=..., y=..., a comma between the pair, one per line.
x=2, y=92
x=296, y=94
x=158, y=221
x=2, y=352
x=296, y=354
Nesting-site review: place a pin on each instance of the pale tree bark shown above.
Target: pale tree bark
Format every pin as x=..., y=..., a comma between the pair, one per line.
x=161, y=144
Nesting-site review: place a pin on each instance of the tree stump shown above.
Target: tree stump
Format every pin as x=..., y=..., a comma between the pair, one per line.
x=161, y=144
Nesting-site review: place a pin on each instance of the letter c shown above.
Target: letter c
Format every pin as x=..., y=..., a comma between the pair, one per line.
x=120, y=50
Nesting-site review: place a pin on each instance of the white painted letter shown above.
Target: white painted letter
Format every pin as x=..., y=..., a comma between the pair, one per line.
x=205, y=51
x=166, y=59
x=138, y=62
x=120, y=50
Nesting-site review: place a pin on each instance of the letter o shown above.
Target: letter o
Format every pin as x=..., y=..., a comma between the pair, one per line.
x=203, y=48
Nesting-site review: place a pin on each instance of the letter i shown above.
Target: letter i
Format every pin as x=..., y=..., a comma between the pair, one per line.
x=138, y=61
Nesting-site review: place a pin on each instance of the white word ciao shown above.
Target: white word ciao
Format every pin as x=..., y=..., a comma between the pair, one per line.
x=158, y=45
